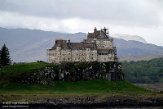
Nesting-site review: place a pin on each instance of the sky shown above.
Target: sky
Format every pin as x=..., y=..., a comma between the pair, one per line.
x=133, y=17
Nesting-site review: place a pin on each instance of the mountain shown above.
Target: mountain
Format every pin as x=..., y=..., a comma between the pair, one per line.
x=129, y=37
x=30, y=45
x=134, y=50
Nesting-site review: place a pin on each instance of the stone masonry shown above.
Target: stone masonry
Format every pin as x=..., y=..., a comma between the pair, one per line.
x=98, y=47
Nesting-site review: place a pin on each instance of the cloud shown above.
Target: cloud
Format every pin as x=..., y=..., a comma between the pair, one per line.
x=122, y=12
x=140, y=17
x=17, y=20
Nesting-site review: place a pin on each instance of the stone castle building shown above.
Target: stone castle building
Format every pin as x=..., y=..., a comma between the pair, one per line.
x=97, y=47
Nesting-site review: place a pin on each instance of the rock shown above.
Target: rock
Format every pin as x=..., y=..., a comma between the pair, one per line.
x=75, y=72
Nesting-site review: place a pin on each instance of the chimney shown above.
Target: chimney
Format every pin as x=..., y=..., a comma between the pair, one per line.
x=68, y=42
x=95, y=29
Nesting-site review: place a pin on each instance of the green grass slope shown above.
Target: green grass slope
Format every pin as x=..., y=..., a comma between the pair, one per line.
x=8, y=72
x=81, y=87
x=96, y=86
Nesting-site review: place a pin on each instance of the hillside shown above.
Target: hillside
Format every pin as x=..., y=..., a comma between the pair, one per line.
x=30, y=45
x=134, y=50
x=136, y=72
x=9, y=73
x=45, y=73
x=144, y=71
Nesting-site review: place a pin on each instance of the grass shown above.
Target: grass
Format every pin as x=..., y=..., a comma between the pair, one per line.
x=80, y=87
x=101, y=89
x=20, y=69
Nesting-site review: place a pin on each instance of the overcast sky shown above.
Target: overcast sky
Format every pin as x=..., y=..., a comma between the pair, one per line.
x=134, y=17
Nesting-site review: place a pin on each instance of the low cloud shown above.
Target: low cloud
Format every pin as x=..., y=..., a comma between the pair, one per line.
x=122, y=12
x=141, y=17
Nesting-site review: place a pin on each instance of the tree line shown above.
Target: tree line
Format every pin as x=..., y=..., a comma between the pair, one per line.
x=4, y=56
x=150, y=71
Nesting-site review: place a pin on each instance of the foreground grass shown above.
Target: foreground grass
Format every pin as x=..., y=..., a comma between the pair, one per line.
x=61, y=89
x=80, y=87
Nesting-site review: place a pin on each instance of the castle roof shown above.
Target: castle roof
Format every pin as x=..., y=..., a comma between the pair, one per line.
x=74, y=46
x=99, y=34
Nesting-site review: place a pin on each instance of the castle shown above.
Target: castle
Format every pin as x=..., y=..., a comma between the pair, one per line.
x=97, y=47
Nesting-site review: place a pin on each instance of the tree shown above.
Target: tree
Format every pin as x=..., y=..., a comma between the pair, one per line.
x=4, y=56
x=0, y=59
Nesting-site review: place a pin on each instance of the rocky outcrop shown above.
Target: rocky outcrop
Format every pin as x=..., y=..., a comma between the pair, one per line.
x=74, y=72
x=91, y=70
x=43, y=76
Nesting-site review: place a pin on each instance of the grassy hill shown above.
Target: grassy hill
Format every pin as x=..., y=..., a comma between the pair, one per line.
x=94, y=86
x=9, y=72
x=137, y=72
x=12, y=91
x=144, y=71
x=65, y=92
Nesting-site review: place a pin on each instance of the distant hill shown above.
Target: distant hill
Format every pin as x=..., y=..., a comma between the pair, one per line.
x=150, y=71
x=31, y=45
x=134, y=50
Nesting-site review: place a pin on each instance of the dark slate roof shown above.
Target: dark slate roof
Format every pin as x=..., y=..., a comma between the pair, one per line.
x=75, y=46
x=100, y=34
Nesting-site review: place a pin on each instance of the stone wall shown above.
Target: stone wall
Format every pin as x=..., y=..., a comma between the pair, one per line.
x=54, y=55
x=105, y=58
x=60, y=55
x=78, y=55
x=88, y=55
x=66, y=55
x=104, y=44
x=97, y=47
